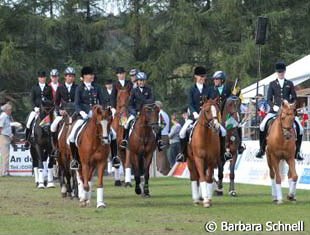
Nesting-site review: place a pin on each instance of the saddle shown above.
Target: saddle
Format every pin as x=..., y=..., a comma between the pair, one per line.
x=78, y=132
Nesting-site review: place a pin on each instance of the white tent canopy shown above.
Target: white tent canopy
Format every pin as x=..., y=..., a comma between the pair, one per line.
x=297, y=72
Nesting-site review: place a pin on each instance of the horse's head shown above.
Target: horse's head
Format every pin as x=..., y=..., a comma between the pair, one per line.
x=102, y=117
x=149, y=114
x=209, y=114
x=232, y=105
x=287, y=116
x=122, y=99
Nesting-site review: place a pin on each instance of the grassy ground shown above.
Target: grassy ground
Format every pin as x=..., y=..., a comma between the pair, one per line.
x=27, y=210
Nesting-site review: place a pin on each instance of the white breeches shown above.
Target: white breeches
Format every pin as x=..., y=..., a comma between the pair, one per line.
x=131, y=117
x=55, y=123
x=184, y=128
x=32, y=115
x=76, y=125
x=271, y=115
x=266, y=118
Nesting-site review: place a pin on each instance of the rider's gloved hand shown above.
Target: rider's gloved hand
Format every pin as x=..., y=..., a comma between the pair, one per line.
x=275, y=108
x=113, y=110
x=37, y=109
x=196, y=115
x=83, y=115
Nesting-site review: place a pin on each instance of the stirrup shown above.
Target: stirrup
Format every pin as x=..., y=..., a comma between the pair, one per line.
x=180, y=158
x=74, y=165
x=116, y=162
x=124, y=144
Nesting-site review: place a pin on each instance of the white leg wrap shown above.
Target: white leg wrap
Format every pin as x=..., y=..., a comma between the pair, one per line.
x=279, y=192
x=83, y=195
x=182, y=133
x=209, y=190
x=55, y=123
x=109, y=167
x=273, y=189
x=195, y=193
x=36, y=174
x=45, y=169
x=50, y=179
x=32, y=115
x=41, y=179
x=203, y=186
x=100, y=201
x=63, y=189
x=116, y=174
x=292, y=187
x=128, y=175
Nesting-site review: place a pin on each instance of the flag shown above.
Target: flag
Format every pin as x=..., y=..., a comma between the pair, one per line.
x=45, y=122
x=230, y=122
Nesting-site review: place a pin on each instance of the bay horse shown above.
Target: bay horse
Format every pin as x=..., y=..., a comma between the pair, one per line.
x=230, y=120
x=94, y=151
x=41, y=146
x=142, y=144
x=204, y=152
x=281, y=146
x=67, y=177
x=118, y=123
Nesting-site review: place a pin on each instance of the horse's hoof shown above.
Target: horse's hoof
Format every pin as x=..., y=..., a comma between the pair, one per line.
x=146, y=195
x=207, y=203
x=82, y=203
x=233, y=193
x=291, y=198
x=117, y=183
x=41, y=186
x=101, y=205
x=138, y=191
x=197, y=202
x=63, y=195
x=50, y=185
x=279, y=202
x=128, y=184
x=219, y=192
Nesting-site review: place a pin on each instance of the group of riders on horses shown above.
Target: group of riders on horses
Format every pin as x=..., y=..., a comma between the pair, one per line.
x=88, y=93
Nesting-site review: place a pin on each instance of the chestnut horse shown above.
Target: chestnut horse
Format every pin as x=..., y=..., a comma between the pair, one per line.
x=281, y=146
x=230, y=120
x=67, y=177
x=118, y=123
x=142, y=144
x=204, y=152
x=94, y=151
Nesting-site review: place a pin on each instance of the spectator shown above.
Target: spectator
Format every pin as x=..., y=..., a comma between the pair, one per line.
x=174, y=140
x=6, y=136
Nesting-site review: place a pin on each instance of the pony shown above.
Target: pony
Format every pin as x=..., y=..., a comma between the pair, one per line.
x=142, y=144
x=66, y=176
x=230, y=120
x=94, y=151
x=204, y=152
x=118, y=123
x=281, y=146
x=41, y=146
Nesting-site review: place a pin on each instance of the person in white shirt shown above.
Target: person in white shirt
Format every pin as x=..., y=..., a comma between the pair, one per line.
x=6, y=136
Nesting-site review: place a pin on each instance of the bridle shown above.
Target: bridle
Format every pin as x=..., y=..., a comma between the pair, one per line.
x=286, y=131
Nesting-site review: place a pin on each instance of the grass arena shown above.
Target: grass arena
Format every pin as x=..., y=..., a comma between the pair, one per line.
x=28, y=210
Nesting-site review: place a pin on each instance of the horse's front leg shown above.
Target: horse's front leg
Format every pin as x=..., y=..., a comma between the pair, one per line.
x=203, y=180
x=272, y=177
x=219, y=190
x=39, y=152
x=194, y=180
x=35, y=164
x=209, y=187
x=275, y=163
x=135, y=163
x=147, y=163
x=100, y=191
x=127, y=167
x=232, y=190
x=292, y=179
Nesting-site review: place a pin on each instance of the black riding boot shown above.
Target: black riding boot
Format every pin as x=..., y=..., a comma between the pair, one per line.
x=298, y=156
x=115, y=161
x=181, y=157
x=262, y=144
x=241, y=148
x=124, y=142
x=54, y=140
x=74, y=164
x=27, y=138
